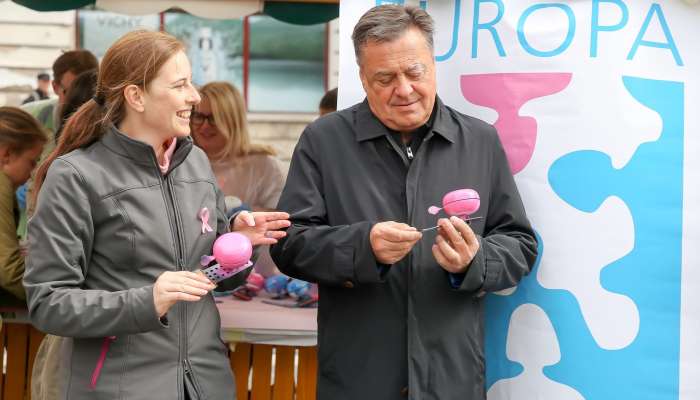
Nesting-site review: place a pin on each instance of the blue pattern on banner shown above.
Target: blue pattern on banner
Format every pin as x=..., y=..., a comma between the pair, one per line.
x=651, y=185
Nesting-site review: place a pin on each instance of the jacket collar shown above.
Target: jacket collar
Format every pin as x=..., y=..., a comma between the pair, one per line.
x=142, y=153
x=369, y=127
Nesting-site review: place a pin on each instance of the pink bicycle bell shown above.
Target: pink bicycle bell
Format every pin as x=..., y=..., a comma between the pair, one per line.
x=232, y=252
x=460, y=203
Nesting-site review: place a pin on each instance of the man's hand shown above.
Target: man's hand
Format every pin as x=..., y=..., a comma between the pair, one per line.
x=391, y=241
x=455, y=245
x=261, y=227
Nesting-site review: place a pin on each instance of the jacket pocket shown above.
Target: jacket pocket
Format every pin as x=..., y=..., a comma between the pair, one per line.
x=96, y=368
x=104, y=349
x=192, y=386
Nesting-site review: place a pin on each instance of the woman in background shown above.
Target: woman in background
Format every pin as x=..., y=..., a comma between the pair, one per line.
x=21, y=142
x=81, y=90
x=249, y=172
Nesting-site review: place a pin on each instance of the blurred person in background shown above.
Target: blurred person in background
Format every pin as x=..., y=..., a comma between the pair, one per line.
x=329, y=102
x=82, y=90
x=21, y=142
x=248, y=172
x=65, y=69
x=43, y=80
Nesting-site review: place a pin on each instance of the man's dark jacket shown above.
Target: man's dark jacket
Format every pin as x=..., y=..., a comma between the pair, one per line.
x=404, y=330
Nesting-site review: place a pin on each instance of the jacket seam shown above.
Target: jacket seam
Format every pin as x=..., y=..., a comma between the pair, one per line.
x=122, y=190
x=127, y=221
x=192, y=180
x=80, y=175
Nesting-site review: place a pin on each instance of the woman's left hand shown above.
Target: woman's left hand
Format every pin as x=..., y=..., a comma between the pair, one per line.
x=262, y=227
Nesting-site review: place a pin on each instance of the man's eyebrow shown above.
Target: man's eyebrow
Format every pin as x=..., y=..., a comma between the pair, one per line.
x=383, y=74
x=418, y=67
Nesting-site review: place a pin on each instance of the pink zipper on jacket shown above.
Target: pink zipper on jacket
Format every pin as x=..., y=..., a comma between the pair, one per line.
x=106, y=342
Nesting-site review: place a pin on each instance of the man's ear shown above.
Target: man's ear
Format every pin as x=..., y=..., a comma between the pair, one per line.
x=4, y=155
x=363, y=79
x=134, y=98
x=55, y=86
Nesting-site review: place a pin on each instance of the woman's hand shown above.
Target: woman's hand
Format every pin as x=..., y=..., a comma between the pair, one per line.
x=262, y=227
x=171, y=287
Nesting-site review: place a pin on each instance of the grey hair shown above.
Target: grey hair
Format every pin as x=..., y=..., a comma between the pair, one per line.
x=385, y=23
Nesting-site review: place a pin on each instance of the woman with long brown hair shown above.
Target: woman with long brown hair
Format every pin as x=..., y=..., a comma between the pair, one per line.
x=125, y=210
x=21, y=142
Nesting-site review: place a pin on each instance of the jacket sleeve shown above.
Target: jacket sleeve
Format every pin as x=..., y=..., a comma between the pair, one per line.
x=61, y=233
x=11, y=260
x=508, y=247
x=313, y=250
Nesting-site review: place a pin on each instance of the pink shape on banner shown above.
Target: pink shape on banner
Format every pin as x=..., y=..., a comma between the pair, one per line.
x=507, y=93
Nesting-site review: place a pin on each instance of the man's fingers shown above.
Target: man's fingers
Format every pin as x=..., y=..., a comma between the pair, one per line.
x=450, y=253
x=392, y=234
x=439, y=257
x=386, y=245
x=449, y=232
x=464, y=230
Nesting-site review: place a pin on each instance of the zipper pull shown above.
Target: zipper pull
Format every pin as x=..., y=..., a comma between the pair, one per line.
x=409, y=152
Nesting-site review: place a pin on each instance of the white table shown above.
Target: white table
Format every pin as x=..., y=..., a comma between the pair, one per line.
x=259, y=323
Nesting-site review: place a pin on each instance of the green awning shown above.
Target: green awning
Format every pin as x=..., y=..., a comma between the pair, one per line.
x=287, y=11
x=301, y=13
x=55, y=5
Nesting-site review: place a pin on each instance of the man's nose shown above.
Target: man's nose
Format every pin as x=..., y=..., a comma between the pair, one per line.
x=404, y=87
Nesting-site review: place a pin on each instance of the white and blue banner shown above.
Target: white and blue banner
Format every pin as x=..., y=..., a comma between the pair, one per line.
x=597, y=103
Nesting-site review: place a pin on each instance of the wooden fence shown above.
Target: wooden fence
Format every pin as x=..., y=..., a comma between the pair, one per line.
x=263, y=372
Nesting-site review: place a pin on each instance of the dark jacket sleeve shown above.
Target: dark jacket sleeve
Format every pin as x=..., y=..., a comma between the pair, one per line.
x=61, y=236
x=508, y=247
x=313, y=250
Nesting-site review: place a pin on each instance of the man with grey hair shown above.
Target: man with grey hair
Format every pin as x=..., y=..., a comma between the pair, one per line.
x=401, y=308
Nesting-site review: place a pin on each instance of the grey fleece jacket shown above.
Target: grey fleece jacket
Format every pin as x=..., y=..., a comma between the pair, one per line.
x=107, y=224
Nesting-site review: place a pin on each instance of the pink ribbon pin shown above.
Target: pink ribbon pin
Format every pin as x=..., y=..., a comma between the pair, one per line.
x=204, y=217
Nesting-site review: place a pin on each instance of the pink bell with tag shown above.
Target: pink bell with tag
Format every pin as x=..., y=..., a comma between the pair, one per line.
x=460, y=203
x=232, y=250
